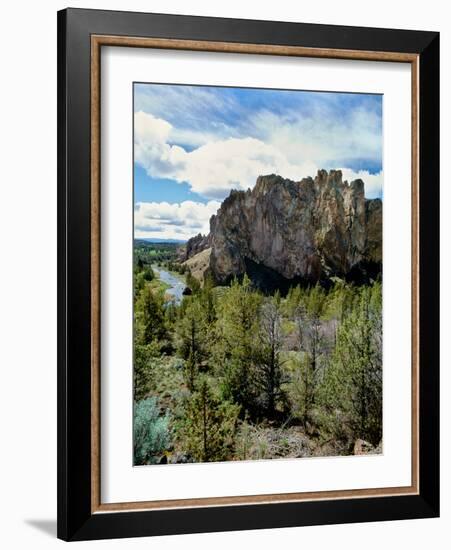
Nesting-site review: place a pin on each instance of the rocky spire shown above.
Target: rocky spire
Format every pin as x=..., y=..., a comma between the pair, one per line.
x=308, y=230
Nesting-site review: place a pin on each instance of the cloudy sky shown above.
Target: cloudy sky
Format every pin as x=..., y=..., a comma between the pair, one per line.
x=193, y=144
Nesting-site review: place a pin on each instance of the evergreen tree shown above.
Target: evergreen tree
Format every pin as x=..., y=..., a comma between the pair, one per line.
x=293, y=300
x=301, y=388
x=139, y=282
x=149, y=316
x=310, y=342
x=171, y=314
x=268, y=374
x=207, y=300
x=209, y=427
x=145, y=357
x=353, y=382
x=192, y=283
x=148, y=274
x=236, y=342
x=192, y=339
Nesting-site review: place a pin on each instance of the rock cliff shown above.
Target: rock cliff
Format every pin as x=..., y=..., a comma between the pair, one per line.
x=194, y=246
x=283, y=231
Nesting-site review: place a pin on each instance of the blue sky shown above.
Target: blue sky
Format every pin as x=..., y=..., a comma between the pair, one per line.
x=193, y=144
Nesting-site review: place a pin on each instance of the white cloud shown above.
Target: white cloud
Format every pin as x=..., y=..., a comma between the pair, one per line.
x=292, y=150
x=191, y=138
x=151, y=129
x=173, y=221
x=322, y=137
x=151, y=148
x=197, y=106
x=216, y=168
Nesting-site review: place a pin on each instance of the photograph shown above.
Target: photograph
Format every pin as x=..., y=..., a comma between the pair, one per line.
x=248, y=279
x=257, y=271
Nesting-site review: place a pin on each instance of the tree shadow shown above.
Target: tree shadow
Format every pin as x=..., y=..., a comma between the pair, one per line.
x=47, y=526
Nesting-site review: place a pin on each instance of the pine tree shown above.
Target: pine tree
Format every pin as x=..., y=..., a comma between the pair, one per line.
x=192, y=334
x=293, y=300
x=302, y=388
x=144, y=361
x=209, y=426
x=353, y=382
x=268, y=374
x=192, y=283
x=310, y=342
x=149, y=316
x=236, y=343
x=207, y=300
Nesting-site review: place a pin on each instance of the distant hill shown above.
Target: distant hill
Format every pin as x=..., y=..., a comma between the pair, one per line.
x=160, y=241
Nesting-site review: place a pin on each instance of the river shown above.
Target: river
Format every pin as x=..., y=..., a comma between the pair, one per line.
x=177, y=286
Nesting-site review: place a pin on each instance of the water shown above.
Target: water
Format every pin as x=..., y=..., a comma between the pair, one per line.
x=177, y=286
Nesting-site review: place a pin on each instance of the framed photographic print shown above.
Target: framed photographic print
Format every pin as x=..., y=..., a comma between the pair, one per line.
x=248, y=274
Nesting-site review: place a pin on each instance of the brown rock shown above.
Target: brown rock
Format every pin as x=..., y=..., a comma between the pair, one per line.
x=283, y=231
x=309, y=230
x=362, y=447
x=193, y=246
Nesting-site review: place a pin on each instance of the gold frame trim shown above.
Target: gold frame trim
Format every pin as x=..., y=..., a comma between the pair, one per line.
x=97, y=41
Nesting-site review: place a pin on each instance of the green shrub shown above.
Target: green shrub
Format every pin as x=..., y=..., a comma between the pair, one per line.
x=150, y=432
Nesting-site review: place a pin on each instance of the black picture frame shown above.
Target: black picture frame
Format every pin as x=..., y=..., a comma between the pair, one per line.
x=75, y=518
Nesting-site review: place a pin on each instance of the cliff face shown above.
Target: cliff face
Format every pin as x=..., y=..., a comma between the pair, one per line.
x=194, y=246
x=309, y=231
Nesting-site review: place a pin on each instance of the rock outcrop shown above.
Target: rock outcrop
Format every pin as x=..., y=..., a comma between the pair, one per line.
x=193, y=246
x=283, y=231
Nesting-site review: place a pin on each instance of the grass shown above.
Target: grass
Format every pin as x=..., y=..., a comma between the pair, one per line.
x=158, y=285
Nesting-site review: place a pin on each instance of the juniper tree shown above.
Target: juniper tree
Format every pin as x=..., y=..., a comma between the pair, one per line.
x=192, y=334
x=310, y=343
x=145, y=358
x=149, y=316
x=209, y=427
x=268, y=373
x=236, y=341
x=207, y=300
x=352, y=385
x=192, y=283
